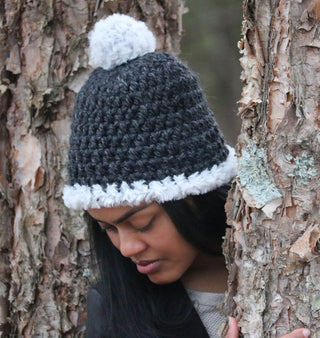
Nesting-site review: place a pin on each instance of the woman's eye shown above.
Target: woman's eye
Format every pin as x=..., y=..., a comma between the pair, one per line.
x=146, y=227
x=111, y=229
x=108, y=228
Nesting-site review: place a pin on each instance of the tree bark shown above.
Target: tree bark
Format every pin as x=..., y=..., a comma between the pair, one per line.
x=273, y=250
x=44, y=261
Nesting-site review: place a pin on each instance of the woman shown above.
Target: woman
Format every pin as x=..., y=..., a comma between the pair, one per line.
x=150, y=166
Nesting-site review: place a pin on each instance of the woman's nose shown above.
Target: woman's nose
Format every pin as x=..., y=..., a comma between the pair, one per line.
x=131, y=244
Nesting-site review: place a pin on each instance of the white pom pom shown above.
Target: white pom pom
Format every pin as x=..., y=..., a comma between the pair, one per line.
x=118, y=39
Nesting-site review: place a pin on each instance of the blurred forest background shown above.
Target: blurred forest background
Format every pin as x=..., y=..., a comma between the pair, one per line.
x=211, y=32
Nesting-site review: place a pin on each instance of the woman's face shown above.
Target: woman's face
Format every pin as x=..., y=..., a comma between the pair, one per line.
x=147, y=236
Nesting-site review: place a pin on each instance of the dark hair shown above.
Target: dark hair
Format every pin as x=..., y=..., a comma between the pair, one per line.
x=201, y=219
x=128, y=297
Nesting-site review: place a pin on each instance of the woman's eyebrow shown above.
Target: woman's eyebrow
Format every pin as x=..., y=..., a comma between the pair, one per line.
x=128, y=214
x=125, y=216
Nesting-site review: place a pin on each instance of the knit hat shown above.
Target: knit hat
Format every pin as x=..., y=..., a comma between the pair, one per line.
x=142, y=130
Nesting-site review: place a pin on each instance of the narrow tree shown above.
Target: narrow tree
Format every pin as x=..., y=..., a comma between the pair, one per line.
x=44, y=268
x=273, y=251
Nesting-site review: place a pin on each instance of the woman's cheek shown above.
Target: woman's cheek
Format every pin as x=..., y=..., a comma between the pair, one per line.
x=114, y=238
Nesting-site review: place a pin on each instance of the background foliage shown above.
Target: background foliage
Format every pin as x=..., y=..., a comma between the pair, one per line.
x=211, y=31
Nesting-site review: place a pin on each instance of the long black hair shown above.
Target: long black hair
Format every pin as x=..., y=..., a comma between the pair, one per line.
x=131, y=304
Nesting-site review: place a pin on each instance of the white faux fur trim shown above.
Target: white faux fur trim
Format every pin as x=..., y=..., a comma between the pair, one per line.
x=171, y=188
x=118, y=39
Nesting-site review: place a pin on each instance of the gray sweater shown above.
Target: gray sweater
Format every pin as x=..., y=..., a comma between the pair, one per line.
x=208, y=305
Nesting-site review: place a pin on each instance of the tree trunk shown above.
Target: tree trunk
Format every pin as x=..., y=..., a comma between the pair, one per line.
x=44, y=261
x=273, y=250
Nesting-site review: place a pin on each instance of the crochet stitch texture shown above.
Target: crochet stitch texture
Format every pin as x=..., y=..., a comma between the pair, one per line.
x=141, y=132
x=133, y=124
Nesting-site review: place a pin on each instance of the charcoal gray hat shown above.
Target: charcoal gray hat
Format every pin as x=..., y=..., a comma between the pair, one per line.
x=142, y=130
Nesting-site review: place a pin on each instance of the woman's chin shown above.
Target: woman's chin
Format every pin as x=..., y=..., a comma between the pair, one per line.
x=156, y=279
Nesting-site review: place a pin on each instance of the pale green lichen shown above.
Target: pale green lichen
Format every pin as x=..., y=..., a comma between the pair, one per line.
x=86, y=272
x=315, y=303
x=253, y=175
x=304, y=168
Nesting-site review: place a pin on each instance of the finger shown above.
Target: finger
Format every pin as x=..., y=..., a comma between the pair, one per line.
x=300, y=333
x=233, y=331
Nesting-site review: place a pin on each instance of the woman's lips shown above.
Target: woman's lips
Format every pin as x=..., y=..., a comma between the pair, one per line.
x=148, y=267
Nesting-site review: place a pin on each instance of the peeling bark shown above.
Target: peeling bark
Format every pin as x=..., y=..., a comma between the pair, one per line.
x=44, y=261
x=273, y=249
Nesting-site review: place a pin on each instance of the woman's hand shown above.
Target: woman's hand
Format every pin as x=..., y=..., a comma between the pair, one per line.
x=299, y=333
x=233, y=331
